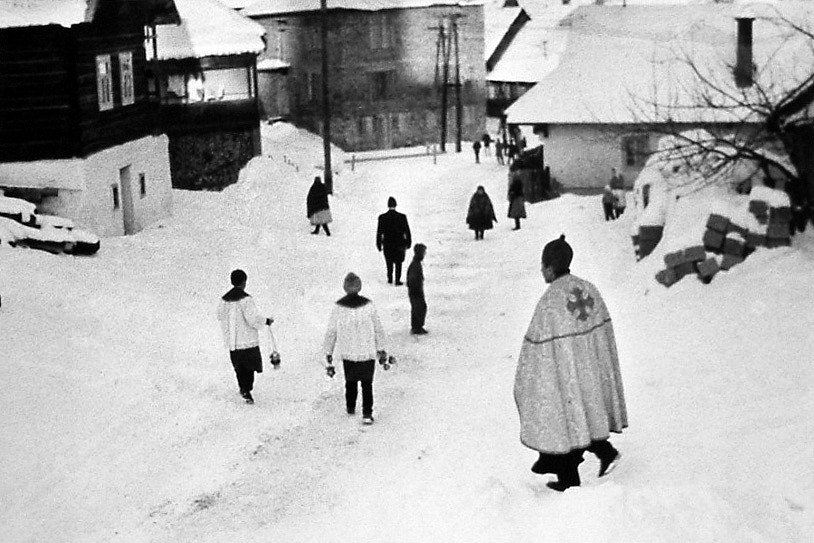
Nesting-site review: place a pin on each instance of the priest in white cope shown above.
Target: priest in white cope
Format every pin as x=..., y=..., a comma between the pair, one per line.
x=568, y=387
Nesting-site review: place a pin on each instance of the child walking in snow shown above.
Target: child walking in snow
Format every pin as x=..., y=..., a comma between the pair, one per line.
x=240, y=321
x=356, y=335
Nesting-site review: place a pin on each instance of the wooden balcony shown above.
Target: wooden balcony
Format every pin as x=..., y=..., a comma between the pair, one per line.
x=216, y=115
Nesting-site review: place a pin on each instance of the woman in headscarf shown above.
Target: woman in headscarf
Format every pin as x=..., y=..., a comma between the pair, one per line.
x=318, y=210
x=481, y=213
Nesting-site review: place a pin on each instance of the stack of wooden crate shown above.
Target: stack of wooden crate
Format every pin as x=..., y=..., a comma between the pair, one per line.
x=777, y=221
x=726, y=244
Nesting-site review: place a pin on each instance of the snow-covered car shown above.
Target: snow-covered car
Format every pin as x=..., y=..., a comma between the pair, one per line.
x=21, y=225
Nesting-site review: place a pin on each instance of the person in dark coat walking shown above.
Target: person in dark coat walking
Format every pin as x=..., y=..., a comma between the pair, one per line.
x=609, y=203
x=499, y=151
x=476, y=148
x=318, y=210
x=511, y=152
x=487, y=143
x=415, y=290
x=481, y=213
x=617, y=185
x=240, y=321
x=517, y=200
x=393, y=238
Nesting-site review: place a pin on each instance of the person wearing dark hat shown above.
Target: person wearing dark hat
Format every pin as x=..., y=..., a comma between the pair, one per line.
x=415, y=290
x=393, y=238
x=568, y=386
x=240, y=321
x=355, y=334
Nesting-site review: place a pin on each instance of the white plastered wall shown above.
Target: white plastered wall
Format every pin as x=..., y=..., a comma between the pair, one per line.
x=581, y=155
x=91, y=207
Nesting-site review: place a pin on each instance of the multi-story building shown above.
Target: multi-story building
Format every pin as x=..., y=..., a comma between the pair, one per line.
x=387, y=63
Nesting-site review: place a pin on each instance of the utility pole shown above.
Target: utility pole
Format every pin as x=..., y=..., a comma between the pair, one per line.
x=458, y=105
x=446, y=41
x=326, y=107
x=442, y=40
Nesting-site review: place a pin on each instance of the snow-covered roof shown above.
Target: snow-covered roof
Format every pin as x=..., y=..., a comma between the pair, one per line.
x=625, y=64
x=43, y=174
x=208, y=28
x=42, y=12
x=271, y=64
x=237, y=4
x=533, y=53
x=274, y=7
x=535, y=50
x=497, y=22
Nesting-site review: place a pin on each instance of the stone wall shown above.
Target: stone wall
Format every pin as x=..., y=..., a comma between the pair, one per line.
x=210, y=161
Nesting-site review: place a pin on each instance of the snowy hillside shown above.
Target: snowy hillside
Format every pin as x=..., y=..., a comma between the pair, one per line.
x=121, y=420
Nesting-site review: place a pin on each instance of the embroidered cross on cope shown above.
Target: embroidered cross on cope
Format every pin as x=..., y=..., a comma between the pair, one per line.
x=579, y=304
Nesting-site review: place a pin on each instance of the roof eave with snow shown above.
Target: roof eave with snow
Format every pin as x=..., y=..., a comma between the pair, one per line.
x=208, y=28
x=66, y=13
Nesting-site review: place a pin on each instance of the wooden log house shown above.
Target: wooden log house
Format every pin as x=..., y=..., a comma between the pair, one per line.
x=77, y=129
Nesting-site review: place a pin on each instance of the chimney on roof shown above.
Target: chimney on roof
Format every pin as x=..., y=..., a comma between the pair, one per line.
x=744, y=70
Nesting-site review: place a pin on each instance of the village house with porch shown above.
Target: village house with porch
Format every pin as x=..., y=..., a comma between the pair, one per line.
x=385, y=66
x=77, y=135
x=203, y=74
x=98, y=122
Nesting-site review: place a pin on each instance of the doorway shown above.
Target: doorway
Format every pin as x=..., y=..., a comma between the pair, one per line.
x=128, y=210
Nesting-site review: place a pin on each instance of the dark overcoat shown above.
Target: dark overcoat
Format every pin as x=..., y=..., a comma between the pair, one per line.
x=517, y=200
x=393, y=235
x=481, y=213
x=317, y=199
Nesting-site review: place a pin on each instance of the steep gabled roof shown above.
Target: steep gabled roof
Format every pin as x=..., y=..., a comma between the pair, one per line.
x=627, y=65
x=533, y=52
x=208, y=28
x=499, y=23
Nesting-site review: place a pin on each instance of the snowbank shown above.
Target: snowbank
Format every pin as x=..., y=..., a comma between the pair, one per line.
x=131, y=427
x=299, y=148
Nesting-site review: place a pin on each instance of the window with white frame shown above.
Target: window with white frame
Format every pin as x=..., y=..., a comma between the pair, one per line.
x=126, y=78
x=104, y=82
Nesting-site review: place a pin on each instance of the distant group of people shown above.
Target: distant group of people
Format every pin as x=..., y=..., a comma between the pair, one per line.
x=567, y=389
x=505, y=153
